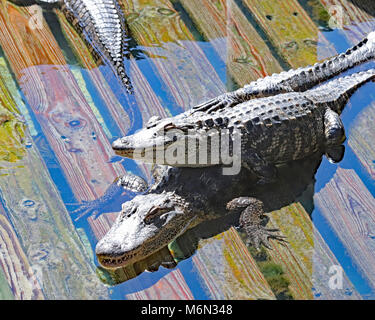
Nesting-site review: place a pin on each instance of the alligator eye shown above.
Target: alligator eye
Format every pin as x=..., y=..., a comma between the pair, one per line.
x=152, y=121
x=154, y=213
x=155, y=135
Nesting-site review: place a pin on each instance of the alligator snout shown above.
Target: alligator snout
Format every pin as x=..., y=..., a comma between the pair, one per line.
x=122, y=148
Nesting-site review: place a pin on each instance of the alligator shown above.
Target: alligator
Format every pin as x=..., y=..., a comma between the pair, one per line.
x=102, y=25
x=274, y=120
x=184, y=198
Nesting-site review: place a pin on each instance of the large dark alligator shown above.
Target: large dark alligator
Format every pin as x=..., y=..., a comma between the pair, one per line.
x=102, y=25
x=274, y=120
x=183, y=198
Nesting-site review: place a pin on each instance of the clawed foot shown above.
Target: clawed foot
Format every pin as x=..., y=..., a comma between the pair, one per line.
x=259, y=235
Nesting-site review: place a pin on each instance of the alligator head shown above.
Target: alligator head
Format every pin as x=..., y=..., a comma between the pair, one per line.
x=158, y=141
x=146, y=224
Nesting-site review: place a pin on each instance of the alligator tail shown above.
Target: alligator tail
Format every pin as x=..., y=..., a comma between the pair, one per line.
x=121, y=74
x=305, y=78
x=336, y=93
x=308, y=77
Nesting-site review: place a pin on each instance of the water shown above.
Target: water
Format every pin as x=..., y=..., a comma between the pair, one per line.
x=210, y=273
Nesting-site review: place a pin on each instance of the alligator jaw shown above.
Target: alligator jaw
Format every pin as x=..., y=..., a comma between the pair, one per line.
x=129, y=147
x=113, y=262
x=145, y=225
x=121, y=150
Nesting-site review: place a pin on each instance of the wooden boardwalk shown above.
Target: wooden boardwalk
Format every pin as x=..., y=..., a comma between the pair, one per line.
x=194, y=50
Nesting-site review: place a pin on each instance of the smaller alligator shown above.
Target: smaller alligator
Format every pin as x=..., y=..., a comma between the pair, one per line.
x=182, y=198
x=270, y=131
x=287, y=121
x=102, y=25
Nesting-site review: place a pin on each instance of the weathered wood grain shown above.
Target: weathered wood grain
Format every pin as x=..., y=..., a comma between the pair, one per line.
x=295, y=258
x=12, y=129
x=177, y=59
x=323, y=261
x=170, y=287
x=58, y=104
x=49, y=253
x=228, y=271
x=310, y=275
x=290, y=29
x=361, y=138
x=21, y=278
x=350, y=210
x=102, y=224
x=5, y=291
x=222, y=22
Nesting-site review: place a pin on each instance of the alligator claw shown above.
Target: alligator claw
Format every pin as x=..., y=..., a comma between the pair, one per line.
x=259, y=235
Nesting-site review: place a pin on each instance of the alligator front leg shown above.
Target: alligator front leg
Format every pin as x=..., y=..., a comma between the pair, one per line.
x=298, y=80
x=112, y=197
x=335, y=135
x=251, y=221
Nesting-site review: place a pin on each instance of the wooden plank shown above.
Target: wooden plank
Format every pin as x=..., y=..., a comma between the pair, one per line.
x=234, y=38
x=228, y=271
x=323, y=261
x=20, y=277
x=170, y=287
x=117, y=112
x=178, y=60
x=296, y=258
x=58, y=104
x=50, y=250
x=5, y=291
x=290, y=29
x=314, y=257
x=350, y=210
x=361, y=139
x=101, y=225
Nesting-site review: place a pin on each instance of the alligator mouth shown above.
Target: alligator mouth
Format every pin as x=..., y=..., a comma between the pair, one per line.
x=124, y=152
x=115, y=262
